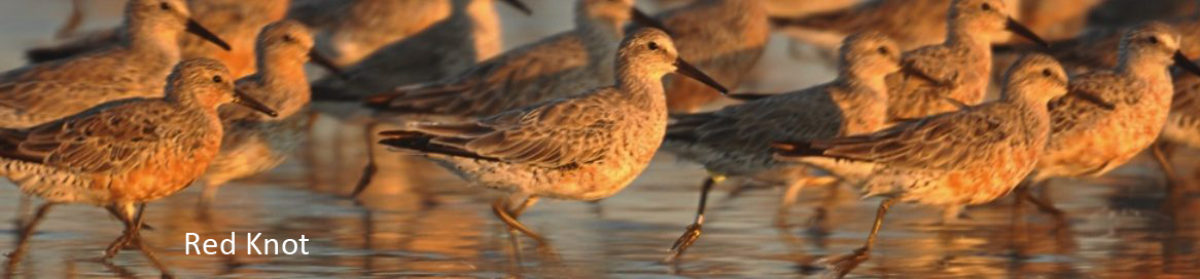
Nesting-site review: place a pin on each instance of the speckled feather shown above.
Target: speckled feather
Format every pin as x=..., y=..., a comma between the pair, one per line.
x=1088, y=140
x=584, y=147
x=123, y=152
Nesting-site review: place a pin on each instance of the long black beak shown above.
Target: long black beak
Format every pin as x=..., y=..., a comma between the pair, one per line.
x=245, y=100
x=683, y=68
x=1183, y=62
x=519, y=6
x=195, y=28
x=643, y=19
x=1016, y=27
x=1088, y=97
x=320, y=60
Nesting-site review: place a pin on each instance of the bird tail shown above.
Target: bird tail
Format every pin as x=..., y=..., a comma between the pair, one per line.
x=427, y=144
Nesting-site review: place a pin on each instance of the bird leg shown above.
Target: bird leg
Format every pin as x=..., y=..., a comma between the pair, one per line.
x=1043, y=205
x=22, y=210
x=132, y=237
x=845, y=263
x=26, y=231
x=501, y=210
x=370, y=169
x=1164, y=163
x=693, y=231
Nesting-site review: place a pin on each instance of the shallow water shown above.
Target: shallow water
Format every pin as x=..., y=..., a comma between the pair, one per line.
x=418, y=221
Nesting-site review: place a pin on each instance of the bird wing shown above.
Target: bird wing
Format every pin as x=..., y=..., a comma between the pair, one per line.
x=1069, y=112
x=797, y=116
x=933, y=143
x=929, y=64
x=556, y=134
x=105, y=138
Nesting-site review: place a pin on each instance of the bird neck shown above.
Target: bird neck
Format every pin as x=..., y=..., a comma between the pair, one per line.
x=484, y=25
x=640, y=83
x=281, y=69
x=144, y=38
x=1142, y=66
x=876, y=84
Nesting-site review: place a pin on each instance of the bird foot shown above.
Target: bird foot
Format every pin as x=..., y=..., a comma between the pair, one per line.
x=841, y=265
x=690, y=236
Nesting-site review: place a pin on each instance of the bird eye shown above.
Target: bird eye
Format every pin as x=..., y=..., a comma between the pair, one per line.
x=164, y=6
x=218, y=79
x=882, y=50
x=986, y=7
x=1152, y=40
x=288, y=38
x=1047, y=73
x=653, y=46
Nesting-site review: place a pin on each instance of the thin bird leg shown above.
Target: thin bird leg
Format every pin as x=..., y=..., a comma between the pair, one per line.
x=23, y=210
x=136, y=240
x=500, y=209
x=122, y=213
x=693, y=231
x=26, y=231
x=1042, y=205
x=1165, y=163
x=844, y=264
x=370, y=169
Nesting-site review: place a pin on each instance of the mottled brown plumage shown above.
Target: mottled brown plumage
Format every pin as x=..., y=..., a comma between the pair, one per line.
x=1088, y=140
x=1183, y=123
x=735, y=140
x=236, y=21
x=584, y=147
x=937, y=78
x=126, y=153
x=136, y=68
x=964, y=157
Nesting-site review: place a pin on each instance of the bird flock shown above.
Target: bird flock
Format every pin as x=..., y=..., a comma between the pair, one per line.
x=121, y=117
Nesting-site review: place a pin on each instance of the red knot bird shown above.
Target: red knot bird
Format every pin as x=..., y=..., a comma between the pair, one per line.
x=123, y=154
x=1089, y=141
x=970, y=156
x=735, y=140
x=255, y=143
x=587, y=146
x=43, y=92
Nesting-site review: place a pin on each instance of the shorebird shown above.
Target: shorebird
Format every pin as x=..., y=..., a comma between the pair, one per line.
x=43, y=92
x=559, y=66
x=470, y=34
x=255, y=143
x=236, y=21
x=725, y=38
x=942, y=78
x=1183, y=123
x=584, y=147
x=123, y=154
x=970, y=156
x=1087, y=141
x=735, y=140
